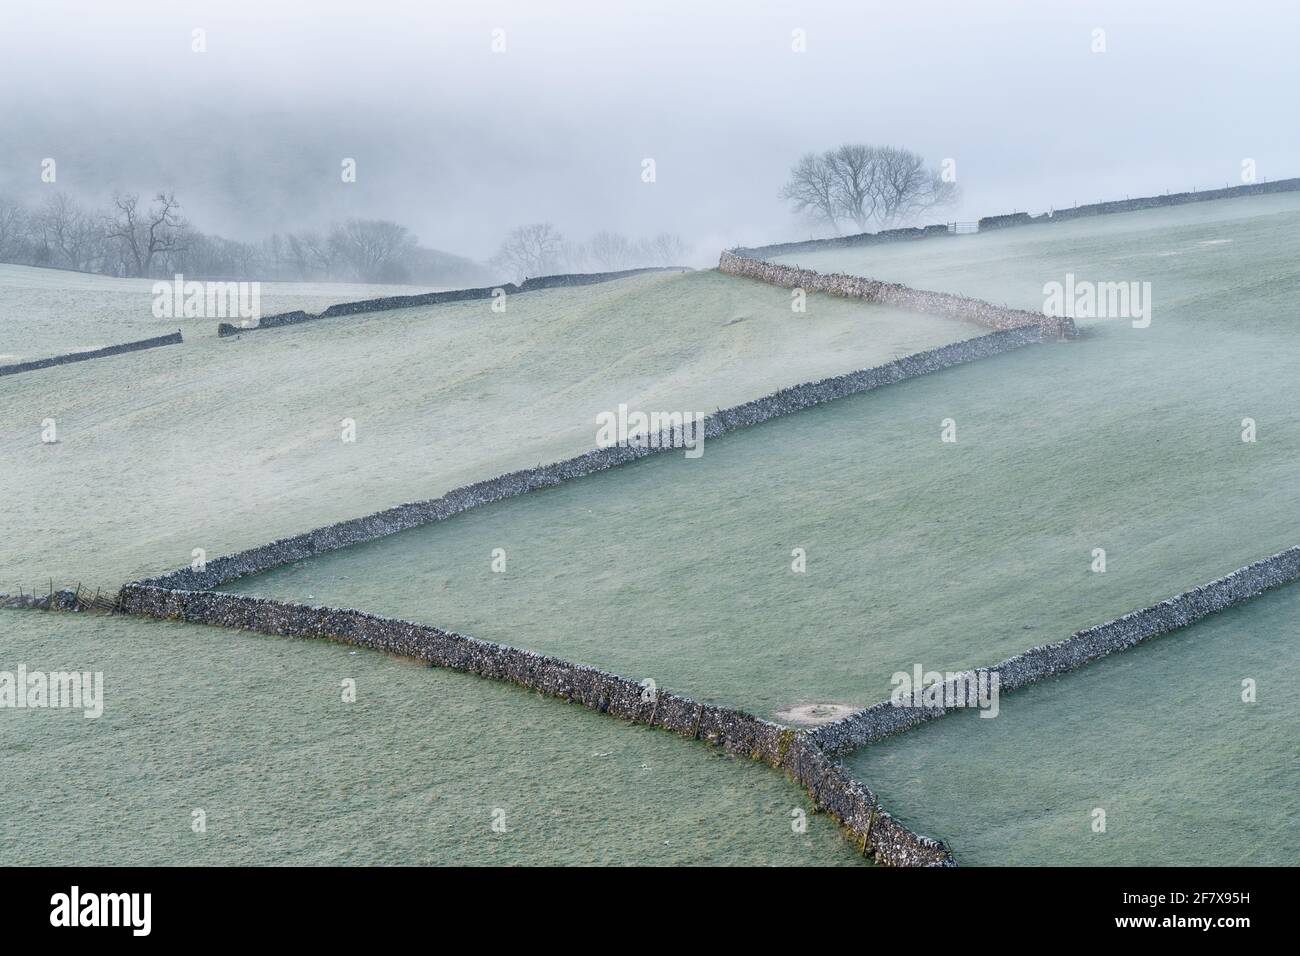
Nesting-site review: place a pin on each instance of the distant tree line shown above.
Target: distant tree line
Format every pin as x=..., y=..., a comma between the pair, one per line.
x=880, y=186
x=131, y=237
x=540, y=249
x=152, y=239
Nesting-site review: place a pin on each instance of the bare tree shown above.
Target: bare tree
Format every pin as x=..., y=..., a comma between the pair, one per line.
x=273, y=254
x=129, y=241
x=144, y=233
x=372, y=249
x=246, y=259
x=576, y=257
x=13, y=229
x=812, y=189
x=610, y=251
x=883, y=185
x=665, y=249
x=311, y=254
x=201, y=257
x=74, y=238
x=532, y=250
x=298, y=255
x=856, y=172
x=905, y=188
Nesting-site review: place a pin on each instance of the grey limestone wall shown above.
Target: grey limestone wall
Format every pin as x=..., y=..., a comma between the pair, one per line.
x=832, y=789
x=841, y=242
x=61, y=600
x=895, y=295
x=182, y=595
x=389, y=521
x=437, y=298
x=1168, y=199
x=1082, y=647
x=1024, y=218
x=172, y=339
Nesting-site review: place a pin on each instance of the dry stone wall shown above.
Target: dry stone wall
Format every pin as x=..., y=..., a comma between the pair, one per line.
x=1082, y=647
x=172, y=339
x=61, y=600
x=437, y=298
x=1168, y=199
x=389, y=521
x=832, y=789
x=183, y=595
x=895, y=295
x=1025, y=219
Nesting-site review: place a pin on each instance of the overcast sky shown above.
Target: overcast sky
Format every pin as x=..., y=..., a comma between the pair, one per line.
x=460, y=143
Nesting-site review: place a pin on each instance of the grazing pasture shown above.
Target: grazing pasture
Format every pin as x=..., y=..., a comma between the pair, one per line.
x=1158, y=737
x=918, y=550
x=254, y=732
x=223, y=444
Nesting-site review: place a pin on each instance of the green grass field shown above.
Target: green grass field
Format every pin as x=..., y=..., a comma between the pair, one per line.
x=918, y=551
x=45, y=312
x=1158, y=737
x=950, y=555
x=253, y=731
x=224, y=444
x=1249, y=245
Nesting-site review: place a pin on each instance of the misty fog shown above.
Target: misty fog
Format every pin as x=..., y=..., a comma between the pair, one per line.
x=461, y=144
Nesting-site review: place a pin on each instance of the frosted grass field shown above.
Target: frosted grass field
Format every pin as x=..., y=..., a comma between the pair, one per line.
x=253, y=731
x=950, y=555
x=1185, y=251
x=45, y=312
x=918, y=551
x=1158, y=737
x=225, y=444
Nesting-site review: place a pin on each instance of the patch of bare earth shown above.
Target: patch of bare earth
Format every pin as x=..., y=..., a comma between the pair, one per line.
x=813, y=715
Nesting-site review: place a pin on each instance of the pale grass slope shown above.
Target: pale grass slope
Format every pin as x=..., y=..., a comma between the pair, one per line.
x=226, y=444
